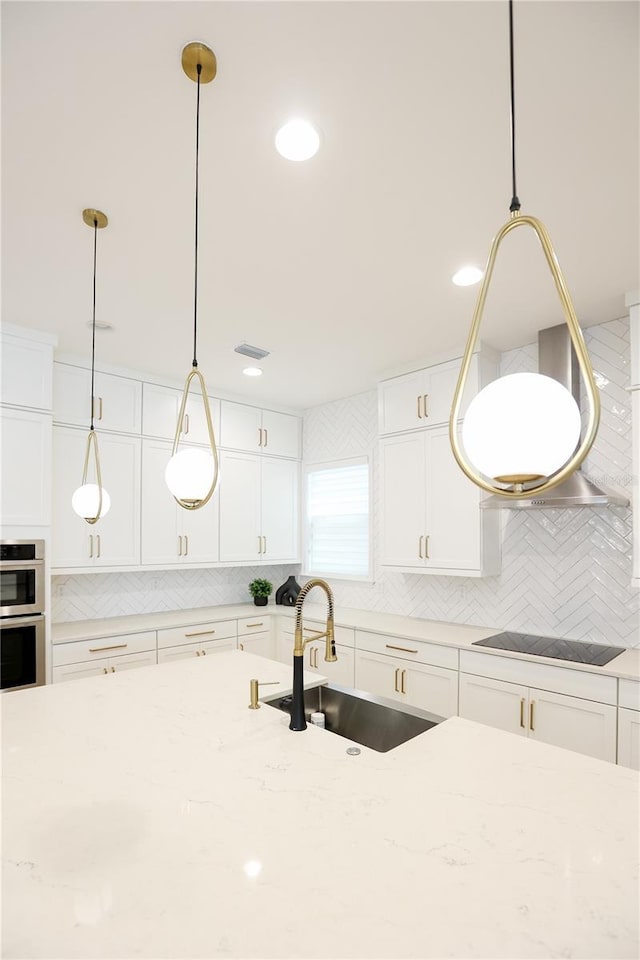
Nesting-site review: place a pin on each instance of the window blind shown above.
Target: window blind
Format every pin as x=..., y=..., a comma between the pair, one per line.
x=337, y=518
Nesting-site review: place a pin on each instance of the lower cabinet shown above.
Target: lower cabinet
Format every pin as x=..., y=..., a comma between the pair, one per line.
x=187, y=651
x=262, y=644
x=564, y=721
x=629, y=738
x=422, y=685
x=196, y=640
x=340, y=671
x=94, y=658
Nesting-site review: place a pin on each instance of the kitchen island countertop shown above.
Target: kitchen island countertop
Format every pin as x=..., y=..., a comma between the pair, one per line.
x=154, y=815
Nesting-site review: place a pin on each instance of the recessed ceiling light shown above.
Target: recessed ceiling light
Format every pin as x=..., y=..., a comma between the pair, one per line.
x=467, y=276
x=297, y=140
x=252, y=372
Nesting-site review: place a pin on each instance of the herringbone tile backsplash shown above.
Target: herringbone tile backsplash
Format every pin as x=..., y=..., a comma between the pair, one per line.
x=564, y=572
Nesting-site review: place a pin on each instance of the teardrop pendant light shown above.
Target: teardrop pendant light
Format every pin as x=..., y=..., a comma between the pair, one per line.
x=192, y=473
x=521, y=433
x=91, y=501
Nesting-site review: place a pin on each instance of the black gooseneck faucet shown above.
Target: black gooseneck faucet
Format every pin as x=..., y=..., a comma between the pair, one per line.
x=298, y=720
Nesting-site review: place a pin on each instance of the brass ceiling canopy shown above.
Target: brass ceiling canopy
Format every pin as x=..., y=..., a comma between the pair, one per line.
x=94, y=218
x=199, y=53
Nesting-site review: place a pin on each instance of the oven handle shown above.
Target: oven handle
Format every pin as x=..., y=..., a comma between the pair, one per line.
x=17, y=621
x=20, y=564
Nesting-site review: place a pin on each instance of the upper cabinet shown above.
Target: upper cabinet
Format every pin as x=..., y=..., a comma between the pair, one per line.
x=423, y=398
x=117, y=401
x=27, y=362
x=259, y=431
x=160, y=409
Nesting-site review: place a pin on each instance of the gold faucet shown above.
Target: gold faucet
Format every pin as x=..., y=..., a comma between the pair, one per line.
x=298, y=721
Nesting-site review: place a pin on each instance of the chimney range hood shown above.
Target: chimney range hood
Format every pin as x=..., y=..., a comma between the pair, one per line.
x=557, y=359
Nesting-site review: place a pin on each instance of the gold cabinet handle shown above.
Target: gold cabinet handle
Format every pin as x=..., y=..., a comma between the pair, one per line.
x=186, y=546
x=197, y=653
x=260, y=545
x=259, y=436
x=390, y=646
x=420, y=539
x=114, y=646
x=204, y=653
x=531, y=706
x=425, y=404
x=91, y=546
x=179, y=546
x=200, y=633
x=98, y=539
x=266, y=437
x=261, y=624
x=100, y=414
x=395, y=681
x=113, y=669
x=402, y=676
x=264, y=549
x=419, y=410
x=522, y=712
x=241, y=646
x=186, y=424
x=93, y=408
x=426, y=547
x=104, y=670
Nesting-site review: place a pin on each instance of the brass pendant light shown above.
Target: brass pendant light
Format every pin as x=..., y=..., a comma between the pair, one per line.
x=504, y=422
x=192, y=473
x=91, y=501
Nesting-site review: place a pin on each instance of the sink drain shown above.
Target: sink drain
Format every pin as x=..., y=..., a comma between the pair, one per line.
x=353, y=751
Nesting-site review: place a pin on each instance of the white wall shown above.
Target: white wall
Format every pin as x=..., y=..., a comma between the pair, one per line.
x=565, y=572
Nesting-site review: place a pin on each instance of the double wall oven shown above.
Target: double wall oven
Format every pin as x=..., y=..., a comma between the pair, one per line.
x=22, y=620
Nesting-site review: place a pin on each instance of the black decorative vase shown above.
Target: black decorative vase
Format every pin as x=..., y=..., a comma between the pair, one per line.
x=261, y=601
x=287, y=594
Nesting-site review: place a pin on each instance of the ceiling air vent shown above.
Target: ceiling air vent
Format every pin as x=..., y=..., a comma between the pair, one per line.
x=248, y=351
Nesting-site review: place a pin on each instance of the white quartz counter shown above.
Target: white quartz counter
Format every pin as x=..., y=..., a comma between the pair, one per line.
x=460, y=635
x=151, y=814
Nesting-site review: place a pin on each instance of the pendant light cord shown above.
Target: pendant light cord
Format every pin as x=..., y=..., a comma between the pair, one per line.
x=93, y=336
x=195, y=279
x=515, y=202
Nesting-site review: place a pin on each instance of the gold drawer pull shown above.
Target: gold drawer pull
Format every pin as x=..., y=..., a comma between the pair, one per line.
x=115, y=646
x=241, y=645
x=255, y=624
x=390, y=646
x=531, y=706
x=104, y=670
x=113, y=669
x=200, y=633
x=522, y=712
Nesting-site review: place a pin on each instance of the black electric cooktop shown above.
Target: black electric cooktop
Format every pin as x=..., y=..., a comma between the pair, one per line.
x=595, y=654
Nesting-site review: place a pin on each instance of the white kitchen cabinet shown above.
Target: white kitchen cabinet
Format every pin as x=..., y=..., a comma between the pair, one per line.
x=431, y=516
x=422, y=685
x=92, y=658
x=251, y=429
x=564, y=721
x=25, y=467
x=259, y=508
x=117, y=401
x=170, y=534
x=160, y=408
x=115, y=539
x=340, y=671
x=262, y=644
x=27, y=367
x=105, y=667
x=187, y=651
x=629, y=738
x=423, y=398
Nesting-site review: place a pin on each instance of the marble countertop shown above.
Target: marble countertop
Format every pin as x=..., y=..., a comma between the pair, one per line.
x=626, y=665
x=151, y=814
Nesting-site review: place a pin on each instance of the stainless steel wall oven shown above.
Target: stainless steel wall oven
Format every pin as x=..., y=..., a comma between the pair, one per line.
x=22, y=619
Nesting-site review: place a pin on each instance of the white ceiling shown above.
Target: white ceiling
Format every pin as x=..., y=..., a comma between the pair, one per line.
x=340, y=266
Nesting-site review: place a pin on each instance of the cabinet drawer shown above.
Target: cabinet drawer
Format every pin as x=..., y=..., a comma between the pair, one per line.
x=343, y=635
x=86, y=650
x=574, y=683
x=629, y=694
x=257, y=624
x=404, y=649
x=196, y=633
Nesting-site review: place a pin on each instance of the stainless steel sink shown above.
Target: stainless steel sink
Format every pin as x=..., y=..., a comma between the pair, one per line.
x=372, y=721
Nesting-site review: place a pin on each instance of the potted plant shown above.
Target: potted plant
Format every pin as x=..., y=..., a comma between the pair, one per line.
x=260, y=590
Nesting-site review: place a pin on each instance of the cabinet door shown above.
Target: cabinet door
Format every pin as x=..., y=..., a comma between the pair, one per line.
x=77, y=671
x=159, y=510
x=240, y=426
x=187, y=651
x=27, y=372
x=280, y=510
x=200, y=530
x=131, y=661
x=573, y=723
x=341, y=671
x=431, y=688
x=400, y=403
x=452, y=522
x=629, y=738
x=281, y=434
x=218, y=646
x=262, y=644
x=118, y=533
x=495, y=703
x=70, y=534
x=239, y=506
x=160, y=414
x=25, y=465
x=402, y=472
x=117, y=400
x=441, y=384
x=378, y=674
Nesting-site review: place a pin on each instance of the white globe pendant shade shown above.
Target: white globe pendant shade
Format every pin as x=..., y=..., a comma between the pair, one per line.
x=189, y=474
x=521, y=427
x=297, y=140
x=86, y=501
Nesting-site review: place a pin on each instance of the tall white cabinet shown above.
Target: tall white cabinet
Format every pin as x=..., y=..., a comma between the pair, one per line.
x=633, y=302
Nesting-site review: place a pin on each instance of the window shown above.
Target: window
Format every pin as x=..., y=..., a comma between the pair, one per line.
x=337, y=524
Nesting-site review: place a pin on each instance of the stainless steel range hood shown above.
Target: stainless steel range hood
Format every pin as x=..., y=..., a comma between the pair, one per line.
x=557, y=359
